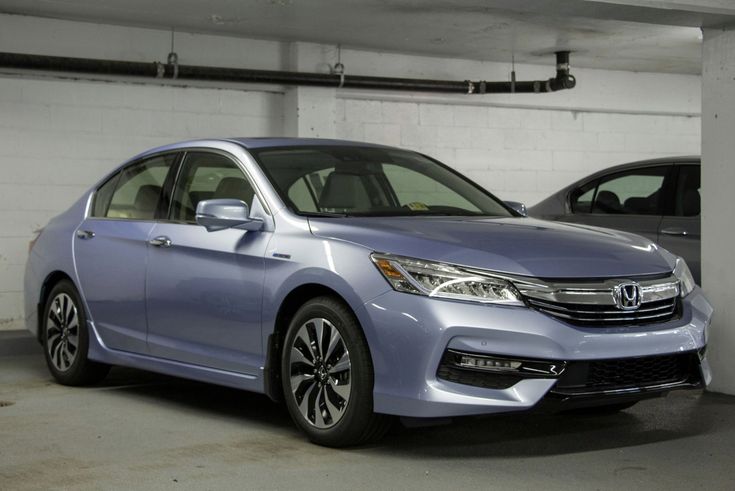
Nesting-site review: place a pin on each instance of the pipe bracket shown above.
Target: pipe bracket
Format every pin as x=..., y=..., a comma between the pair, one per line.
x=173, y=60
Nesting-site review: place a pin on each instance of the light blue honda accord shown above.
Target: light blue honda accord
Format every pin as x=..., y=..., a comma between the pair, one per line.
x=355, y=282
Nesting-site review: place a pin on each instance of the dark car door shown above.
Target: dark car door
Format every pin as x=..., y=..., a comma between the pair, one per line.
x=204, y=289
x=631, y=200
x=110, y=249
x=680, y=230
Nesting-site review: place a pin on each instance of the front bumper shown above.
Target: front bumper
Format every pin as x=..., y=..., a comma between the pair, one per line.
x=409, y=336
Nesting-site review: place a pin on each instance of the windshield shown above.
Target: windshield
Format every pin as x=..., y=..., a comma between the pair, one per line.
x=365, y=181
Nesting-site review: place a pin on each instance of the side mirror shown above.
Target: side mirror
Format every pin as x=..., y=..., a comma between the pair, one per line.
x=517, y=206
x=220, y=214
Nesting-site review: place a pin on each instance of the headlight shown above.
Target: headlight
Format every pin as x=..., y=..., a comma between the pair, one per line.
x=445, y=281
x=686, y=280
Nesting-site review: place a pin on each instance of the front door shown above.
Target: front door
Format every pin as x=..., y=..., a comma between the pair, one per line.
x=205, y=289
x=680, y=232
x=110, y=249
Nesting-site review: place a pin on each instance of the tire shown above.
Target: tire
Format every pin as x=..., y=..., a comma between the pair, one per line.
x=66, y=338
x=328, y=385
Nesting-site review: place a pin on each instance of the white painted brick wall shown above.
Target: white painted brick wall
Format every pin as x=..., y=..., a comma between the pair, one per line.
x=59, y=137
x=519, y=153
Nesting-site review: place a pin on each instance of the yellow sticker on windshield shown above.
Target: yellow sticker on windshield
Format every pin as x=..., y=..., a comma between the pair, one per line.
x=417, y=206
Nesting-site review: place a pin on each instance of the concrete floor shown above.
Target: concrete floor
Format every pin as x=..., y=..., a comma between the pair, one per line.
x=144, y=431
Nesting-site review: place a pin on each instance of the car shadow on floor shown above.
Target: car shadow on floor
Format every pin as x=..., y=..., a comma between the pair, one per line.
x=531, y=435
x=678, y=416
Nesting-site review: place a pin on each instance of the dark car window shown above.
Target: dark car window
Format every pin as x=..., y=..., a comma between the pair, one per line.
x=207, y=176
x=366, y=181
x=633, y=192
x=137, y=190
x=581, y=199
x=103, y=196
x=688, y=197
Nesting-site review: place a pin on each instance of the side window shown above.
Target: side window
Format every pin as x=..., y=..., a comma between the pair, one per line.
x=581, y=198
x=636, y=192
x=139, y=188
x=688, y=198
x=103, y=196
x=207, y=176
x=415, y=189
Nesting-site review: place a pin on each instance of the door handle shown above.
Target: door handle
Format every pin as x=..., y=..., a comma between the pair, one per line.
x=85, y=234
x=674, y=231
x=160, y=241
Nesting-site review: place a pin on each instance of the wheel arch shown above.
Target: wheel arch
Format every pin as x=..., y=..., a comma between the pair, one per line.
x=291, y=303
x=47, y=285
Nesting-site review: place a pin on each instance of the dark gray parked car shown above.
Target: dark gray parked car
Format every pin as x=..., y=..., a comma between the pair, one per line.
x=659, y=199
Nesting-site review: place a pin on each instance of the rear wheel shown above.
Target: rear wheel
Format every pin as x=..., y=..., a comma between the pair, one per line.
x=327, y=376
x=66, y=338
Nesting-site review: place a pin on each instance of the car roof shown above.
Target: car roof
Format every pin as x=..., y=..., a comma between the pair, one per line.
x=255, y=143
x=683, y=159
x=273, y=142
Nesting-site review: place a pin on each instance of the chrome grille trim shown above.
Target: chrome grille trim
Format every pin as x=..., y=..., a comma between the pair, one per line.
x=593, y=303
x=600, y=293
x=643, y=309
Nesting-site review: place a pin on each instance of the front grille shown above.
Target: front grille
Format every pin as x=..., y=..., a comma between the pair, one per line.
x=585, y=378
x=627, y=373
x=605, y=302
x=608, y=315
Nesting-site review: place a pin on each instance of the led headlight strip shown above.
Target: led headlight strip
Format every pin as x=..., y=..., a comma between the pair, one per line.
x=686, y=280
x=445, y=281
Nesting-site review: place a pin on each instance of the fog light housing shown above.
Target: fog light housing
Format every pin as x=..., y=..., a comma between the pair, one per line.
x=491, y=364
x=504, y=365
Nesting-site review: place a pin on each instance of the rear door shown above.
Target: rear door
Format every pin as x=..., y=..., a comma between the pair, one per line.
x=631, y=200
x=110, y=251
x=680, y=230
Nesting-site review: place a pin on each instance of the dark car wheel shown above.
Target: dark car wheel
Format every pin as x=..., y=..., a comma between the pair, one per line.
x=327, y=376
x=66, y=338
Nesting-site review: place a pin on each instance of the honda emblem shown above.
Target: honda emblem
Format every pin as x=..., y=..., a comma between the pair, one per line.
x=627, y=296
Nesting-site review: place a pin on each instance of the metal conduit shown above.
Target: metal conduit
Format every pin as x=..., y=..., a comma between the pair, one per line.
x=562, y=80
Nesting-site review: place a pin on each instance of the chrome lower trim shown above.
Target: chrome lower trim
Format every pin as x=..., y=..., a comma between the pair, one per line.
x=681, y=384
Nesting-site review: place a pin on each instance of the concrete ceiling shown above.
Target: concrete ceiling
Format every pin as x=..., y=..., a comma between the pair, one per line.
x=638, y=35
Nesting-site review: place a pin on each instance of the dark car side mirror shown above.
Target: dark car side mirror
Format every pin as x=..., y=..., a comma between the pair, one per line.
x=220, y=214
x=517, y=206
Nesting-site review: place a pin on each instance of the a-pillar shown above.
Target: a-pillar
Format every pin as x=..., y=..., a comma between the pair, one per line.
x=310, y=111
x=718, y=200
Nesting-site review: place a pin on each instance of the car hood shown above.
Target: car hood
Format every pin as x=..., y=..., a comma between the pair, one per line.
x=522, y=246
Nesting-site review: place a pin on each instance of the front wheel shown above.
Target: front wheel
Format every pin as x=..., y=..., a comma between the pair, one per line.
x=66, y=338
x=327, y=376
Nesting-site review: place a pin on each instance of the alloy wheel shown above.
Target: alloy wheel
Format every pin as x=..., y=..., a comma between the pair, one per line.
x=320, y=373
x=62, y=332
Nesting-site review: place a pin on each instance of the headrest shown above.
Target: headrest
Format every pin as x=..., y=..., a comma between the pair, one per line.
x=343, y=191
x=146, y=201
x=234, y=188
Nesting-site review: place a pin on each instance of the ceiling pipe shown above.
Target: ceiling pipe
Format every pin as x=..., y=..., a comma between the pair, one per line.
x=562, y=80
